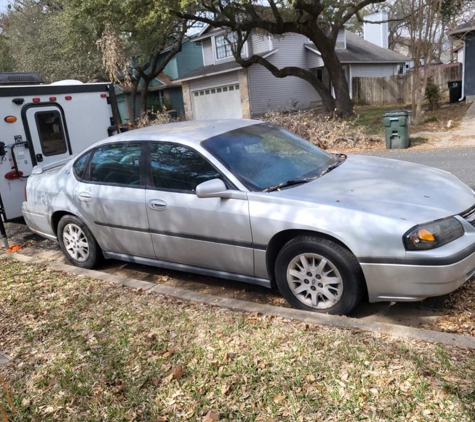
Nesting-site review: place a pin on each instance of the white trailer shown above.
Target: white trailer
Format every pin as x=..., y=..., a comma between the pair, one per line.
x=48, y=123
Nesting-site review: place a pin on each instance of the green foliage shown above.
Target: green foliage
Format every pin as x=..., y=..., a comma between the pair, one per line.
x=6, y=60
x=137, y=40
x=433, y=95
x=449, y=9
x=50, y=39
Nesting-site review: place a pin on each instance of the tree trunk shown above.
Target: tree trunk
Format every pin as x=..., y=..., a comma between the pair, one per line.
x=133, y=100
x=419, y=86
x=343, y=103
x=328, y=101
x=144, y=97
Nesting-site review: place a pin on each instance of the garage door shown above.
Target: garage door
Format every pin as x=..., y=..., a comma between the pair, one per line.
x=217, y=103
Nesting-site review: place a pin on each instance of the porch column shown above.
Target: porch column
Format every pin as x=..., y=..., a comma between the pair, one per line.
x=244, y=92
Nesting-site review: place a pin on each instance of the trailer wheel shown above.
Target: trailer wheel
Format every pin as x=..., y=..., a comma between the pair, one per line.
x=77, y=243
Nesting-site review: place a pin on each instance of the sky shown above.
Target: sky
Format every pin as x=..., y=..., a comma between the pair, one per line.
x=3, y=5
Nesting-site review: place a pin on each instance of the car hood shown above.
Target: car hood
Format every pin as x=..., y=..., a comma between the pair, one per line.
x=392, y=188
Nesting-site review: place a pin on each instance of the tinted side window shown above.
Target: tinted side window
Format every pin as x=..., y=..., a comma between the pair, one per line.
x=116, y=164
x=79, y=166
x=51, y=132
x=179, y=168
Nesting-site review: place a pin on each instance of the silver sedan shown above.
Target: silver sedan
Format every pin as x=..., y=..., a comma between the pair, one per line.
x=245, y=200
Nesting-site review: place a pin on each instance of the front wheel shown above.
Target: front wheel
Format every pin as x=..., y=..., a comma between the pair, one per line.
x=77, y=242
x=318, y=275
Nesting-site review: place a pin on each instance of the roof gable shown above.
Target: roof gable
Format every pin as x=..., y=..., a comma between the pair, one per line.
x=358, y=50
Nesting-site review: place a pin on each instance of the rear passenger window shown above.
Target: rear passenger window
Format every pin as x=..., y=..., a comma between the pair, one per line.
x=179, y=168
x=79, y=166
x=117, y=164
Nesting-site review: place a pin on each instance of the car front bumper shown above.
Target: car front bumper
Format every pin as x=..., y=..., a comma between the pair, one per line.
x=412, y=282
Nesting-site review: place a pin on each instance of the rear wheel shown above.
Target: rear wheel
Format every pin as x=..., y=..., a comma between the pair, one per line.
x=77, y=242
x=316, y=274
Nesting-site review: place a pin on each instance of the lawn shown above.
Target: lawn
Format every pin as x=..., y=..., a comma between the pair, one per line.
x=370, y=118
x=86, y=350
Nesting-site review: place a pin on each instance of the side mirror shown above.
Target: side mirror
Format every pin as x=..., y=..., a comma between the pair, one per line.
x=215, y=188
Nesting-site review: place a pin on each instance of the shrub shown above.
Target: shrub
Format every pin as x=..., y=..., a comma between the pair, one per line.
x=155, y=118
x=433, y=95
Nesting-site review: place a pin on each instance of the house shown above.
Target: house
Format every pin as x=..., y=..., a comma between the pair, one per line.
x=165, y=90
x=223, y=89
x=458, y=54
x=466, y=55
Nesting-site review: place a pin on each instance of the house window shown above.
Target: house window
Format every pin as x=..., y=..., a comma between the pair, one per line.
x=223, y=45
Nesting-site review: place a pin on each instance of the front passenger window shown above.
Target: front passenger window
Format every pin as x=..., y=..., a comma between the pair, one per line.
x=116, y=164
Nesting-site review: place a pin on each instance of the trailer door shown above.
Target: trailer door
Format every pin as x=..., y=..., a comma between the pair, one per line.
x=46, y=130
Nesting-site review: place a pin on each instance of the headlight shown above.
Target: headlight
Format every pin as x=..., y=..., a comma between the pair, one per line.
x=433, y=235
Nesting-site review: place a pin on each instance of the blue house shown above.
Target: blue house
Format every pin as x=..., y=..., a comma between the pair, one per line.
x=163, y=90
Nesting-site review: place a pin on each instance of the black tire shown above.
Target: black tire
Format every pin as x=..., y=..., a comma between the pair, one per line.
x=348, y=274
x=94, y=254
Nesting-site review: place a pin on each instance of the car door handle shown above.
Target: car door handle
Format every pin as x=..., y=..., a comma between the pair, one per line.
x=85, y=196
x=157, y=204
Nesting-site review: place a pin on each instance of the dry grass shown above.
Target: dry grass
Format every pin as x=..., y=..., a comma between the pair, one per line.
x=370, y=118
x=460, y=311
x=323, y=130
x=86, y=350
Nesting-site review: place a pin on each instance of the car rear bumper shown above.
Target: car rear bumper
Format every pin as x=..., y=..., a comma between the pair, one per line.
x=405, y=282
x=38, y=223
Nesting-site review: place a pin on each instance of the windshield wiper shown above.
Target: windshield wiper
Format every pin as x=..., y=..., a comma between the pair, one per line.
x=288, y=183
x=340, y=159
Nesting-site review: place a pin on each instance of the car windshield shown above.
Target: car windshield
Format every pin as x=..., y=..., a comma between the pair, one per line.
x=264, y=156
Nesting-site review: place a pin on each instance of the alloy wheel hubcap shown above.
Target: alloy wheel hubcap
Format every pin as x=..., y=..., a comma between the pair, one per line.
x=75, y=242
x=315, y=280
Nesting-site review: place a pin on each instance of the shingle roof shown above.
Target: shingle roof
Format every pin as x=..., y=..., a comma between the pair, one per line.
x=463, y=29
x=214, y=69
x=358, y=50
x=208, y=33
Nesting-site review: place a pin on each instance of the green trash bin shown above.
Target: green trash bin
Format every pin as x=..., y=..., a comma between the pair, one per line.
x=396, y=124
x=455, y=91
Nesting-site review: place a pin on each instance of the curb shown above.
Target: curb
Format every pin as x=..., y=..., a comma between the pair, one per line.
x=243, y=306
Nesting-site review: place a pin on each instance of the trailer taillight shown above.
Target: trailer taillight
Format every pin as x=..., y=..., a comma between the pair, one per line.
x=13, y=175
x=52, y=99
x=103, y=95
x=36, y=100
x=68, y=98
x=10, y=119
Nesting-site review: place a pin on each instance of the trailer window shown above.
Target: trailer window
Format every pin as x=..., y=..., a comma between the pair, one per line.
x=51, y=132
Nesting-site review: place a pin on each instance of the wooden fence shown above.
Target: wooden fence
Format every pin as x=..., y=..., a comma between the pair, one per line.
x=397, y=89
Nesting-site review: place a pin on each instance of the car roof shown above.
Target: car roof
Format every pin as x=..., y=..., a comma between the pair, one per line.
x=191, y=132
